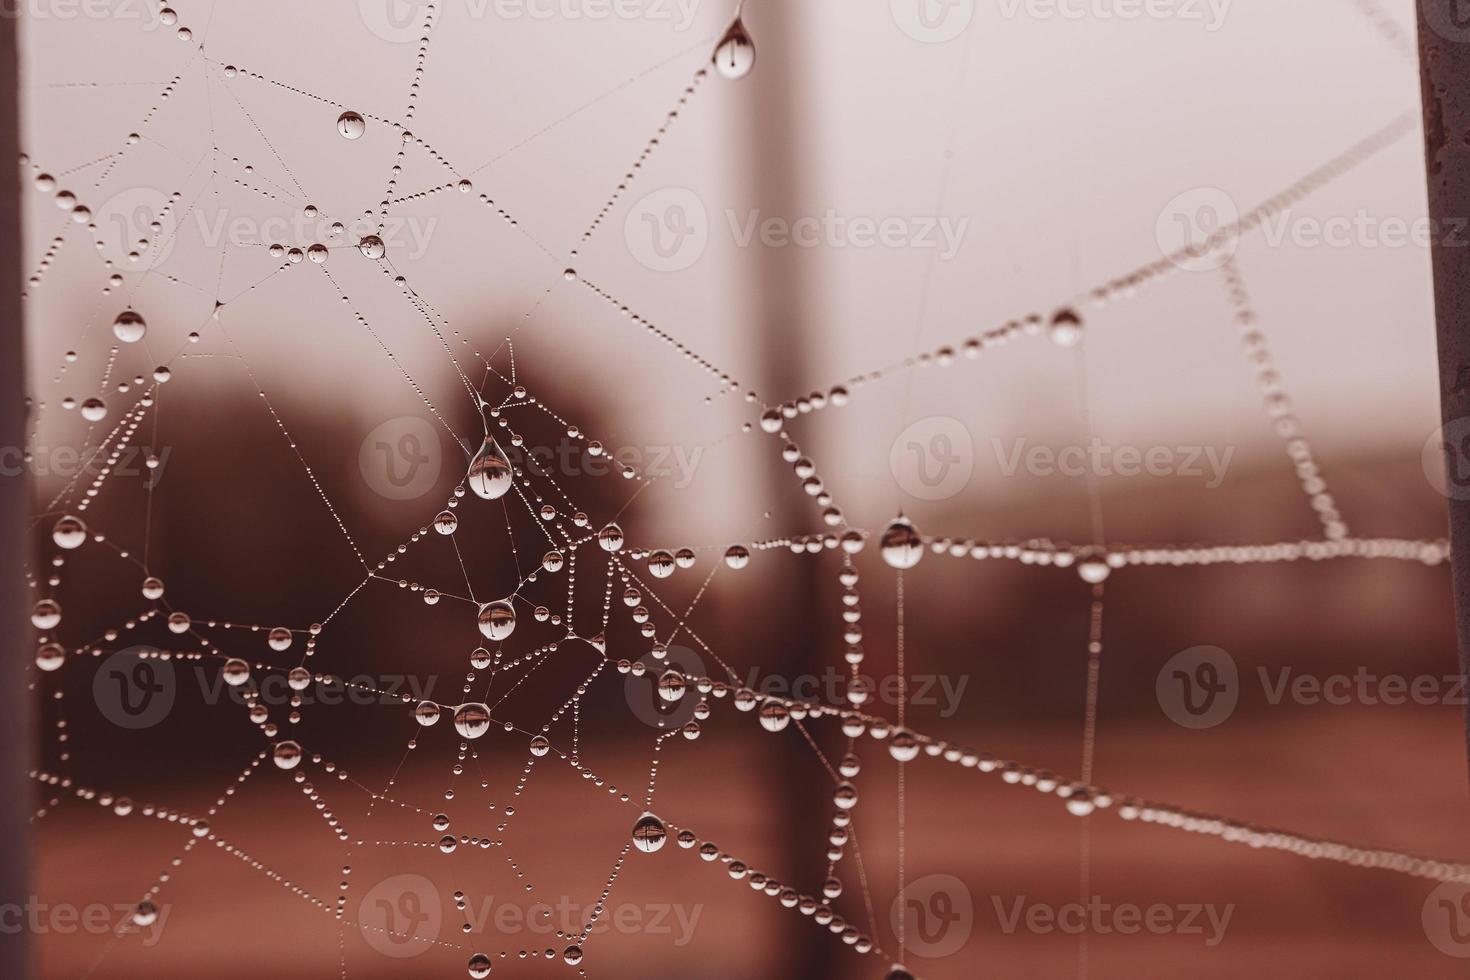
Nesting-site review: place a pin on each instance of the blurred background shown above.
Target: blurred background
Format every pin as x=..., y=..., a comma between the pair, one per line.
x=1018, y=154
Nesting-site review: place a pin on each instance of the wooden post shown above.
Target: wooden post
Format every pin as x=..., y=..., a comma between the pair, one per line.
x=1444, y=75
x=15, y=701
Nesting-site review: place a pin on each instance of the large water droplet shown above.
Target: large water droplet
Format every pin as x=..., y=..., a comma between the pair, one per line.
x=610, y=538
x=735, y=54
x=69, y=533
x=497, y=619
x=901, y=545
x=472, y=720
x=490, y=472
x=351, y=125
x=129, y=327
x=649, y=834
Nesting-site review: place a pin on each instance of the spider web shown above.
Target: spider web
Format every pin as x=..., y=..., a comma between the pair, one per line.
x=567, y=605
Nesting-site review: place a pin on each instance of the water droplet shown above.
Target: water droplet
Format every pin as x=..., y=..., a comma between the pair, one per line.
x=145, y=914
x=774, y=717
x=901, y=545
x=426, y=713
x=445, y=522
x=152, y=588
x=552, y=561
x=287, y=755
x=94, y=410
x=737, y=556
x=649, y=834
x=661, y=564
x=69, y=533
x=540, y=746
x=236, y=672
x=372, y=247
x=497, y=619
x=46, y=614
x=671, y=685
x=129, y=327
x=610, y=538
x=735, y=54
x=903, y=746
x=351, y=125
x=573, y=955
x=472, y=720
x=479, y=967
x=279, y=639
x=1094, y=571
x=1066, y=327
x=490, y=472
x=50, y=656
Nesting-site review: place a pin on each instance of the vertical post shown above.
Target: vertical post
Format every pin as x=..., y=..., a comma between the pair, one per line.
x=1444, y=78
x=15, y=700
x=772, y=135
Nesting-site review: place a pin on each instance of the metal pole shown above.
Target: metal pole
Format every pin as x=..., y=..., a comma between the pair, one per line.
x=15, y=699
x=1444, y=76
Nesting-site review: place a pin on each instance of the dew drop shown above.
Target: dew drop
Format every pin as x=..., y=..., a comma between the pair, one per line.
x=735, y=54
x=649, y=834
x=472, y=720
x=351, y=125
x=129, y=327
x=497, y=619
x=69, y=533
x=490, y=472
x=901, y=545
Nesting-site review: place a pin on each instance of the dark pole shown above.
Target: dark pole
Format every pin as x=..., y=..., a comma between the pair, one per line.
x=1444, y=77
x=15, y=699
x=773, y=135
